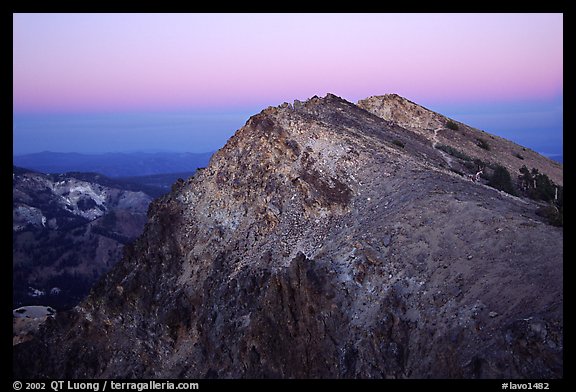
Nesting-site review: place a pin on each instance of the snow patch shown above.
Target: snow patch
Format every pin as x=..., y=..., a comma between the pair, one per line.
x=35, y=311
x=25, y=215
x=32, y=292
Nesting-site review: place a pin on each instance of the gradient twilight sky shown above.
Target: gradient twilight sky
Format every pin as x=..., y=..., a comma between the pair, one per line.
x=119, y=82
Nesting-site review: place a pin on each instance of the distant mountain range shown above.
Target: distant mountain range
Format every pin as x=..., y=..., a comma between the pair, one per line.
x=114, y=164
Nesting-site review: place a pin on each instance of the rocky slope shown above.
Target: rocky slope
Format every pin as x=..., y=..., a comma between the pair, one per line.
x=469, y=142
x=68, y=229
x=323, y=241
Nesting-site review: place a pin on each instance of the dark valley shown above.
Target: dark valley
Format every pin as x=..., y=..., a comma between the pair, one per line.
x=68, y=229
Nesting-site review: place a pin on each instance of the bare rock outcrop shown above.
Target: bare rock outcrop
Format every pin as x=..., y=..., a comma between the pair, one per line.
x=323, y=241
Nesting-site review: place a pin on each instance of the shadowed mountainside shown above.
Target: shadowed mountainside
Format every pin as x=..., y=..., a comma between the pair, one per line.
x=68, y=229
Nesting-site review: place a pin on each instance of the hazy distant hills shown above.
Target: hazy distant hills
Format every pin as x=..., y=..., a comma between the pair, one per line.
x=114, y=164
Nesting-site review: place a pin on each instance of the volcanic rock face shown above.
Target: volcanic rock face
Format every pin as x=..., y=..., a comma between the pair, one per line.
x=470, y=142
x=322, y=241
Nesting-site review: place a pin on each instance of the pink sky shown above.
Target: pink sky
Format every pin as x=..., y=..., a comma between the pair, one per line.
x=127, y=62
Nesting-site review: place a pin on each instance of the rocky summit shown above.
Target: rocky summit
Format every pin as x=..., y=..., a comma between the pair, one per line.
x=329, y=239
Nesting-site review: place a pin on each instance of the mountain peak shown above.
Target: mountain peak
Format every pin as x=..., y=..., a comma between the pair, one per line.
x=462, y=140
x=315, y=100
x=393, y=107
x=326, y=240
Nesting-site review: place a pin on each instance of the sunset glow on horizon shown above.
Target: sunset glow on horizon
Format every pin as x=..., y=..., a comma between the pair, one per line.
x=143, y=61
x=107, y=63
